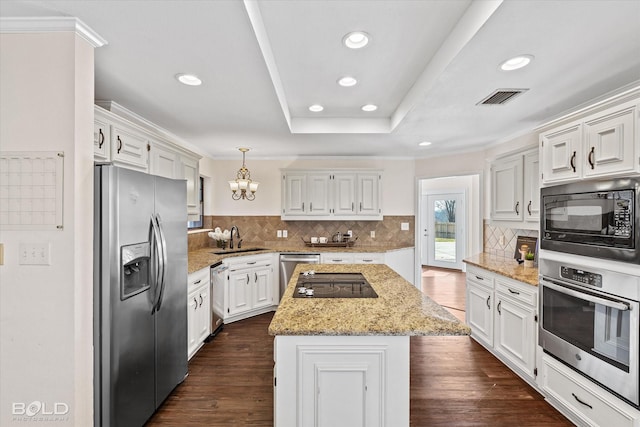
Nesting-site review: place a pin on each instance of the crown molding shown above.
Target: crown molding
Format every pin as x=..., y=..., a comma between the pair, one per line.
x=51, y=24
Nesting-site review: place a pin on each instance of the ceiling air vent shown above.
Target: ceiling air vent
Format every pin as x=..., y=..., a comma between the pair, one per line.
x=501, y=96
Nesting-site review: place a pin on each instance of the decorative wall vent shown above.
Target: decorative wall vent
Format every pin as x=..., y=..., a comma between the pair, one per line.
x=501, y=96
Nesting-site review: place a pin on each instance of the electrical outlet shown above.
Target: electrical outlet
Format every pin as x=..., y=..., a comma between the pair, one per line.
x=501, y=240
x=284, y=233
x=404, y=226
x=373, y=234
x=279, y=233
x=34, y=254
x=349, y=233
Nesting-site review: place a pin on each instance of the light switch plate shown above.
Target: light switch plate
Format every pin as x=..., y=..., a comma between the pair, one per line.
x=373, y=234
x=279, y=233
x=284, y=233
x=404, y=226
x=38, y=253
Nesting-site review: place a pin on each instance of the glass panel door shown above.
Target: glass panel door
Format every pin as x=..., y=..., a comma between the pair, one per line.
x=444, y=233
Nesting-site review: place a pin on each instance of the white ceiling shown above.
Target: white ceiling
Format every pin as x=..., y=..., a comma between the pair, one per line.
x=428, y=64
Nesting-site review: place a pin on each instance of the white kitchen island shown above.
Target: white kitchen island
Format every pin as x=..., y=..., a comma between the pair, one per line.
x=345, y=361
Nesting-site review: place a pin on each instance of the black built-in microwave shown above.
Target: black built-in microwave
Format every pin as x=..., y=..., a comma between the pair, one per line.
x=593, y=218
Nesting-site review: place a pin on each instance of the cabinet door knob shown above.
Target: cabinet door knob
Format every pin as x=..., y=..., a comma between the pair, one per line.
x=529, y=207
x=195, y=303
x=488, y=302
x=573, y=161
x=100, y=138
x=517, y=208
x=119, y=144
x=201, y=301
x=256, y=278
x=499, y=311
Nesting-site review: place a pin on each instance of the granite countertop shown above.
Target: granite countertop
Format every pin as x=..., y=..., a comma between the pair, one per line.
x=205, y=257
x=508, y=267
x=400, y=308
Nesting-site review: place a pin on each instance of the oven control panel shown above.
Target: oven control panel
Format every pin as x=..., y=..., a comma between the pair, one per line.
x=581, y=276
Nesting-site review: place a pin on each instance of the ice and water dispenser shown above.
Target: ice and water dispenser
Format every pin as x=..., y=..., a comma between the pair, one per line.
x=134, y=269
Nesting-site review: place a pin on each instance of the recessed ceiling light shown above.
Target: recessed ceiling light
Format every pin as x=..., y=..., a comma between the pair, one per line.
x=189, y=79
x=424, y=144
x=316, y=108
x=356, y=40
x=347, y=81
x=516, y=62
x=369, y=107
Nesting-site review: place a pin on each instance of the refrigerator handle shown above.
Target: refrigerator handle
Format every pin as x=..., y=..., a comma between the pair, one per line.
x=164, y=261
x=157, y=248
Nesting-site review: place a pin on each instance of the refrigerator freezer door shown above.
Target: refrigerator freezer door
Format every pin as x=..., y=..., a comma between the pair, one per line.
x=126, y=325
x=171, y=317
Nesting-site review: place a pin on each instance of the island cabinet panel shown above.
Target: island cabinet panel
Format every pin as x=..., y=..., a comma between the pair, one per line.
x=341, y=381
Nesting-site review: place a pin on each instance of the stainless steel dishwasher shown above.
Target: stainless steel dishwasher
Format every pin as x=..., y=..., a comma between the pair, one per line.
x=288, y=263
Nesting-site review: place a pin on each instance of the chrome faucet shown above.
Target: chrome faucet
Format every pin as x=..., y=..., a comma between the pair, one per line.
x=237, y=235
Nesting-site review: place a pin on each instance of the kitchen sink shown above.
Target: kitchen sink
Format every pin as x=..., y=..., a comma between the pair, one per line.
x=237, y=251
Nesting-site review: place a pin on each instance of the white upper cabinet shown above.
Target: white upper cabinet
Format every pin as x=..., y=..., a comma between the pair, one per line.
x=532, y=186
x=561, y=150
x=129, y=145
x=101, y=140
x=368, y=194
x=306, y=194
x=507, y=189
x=318, y=193
x=344, y=197
x=609, y=142
x=603, y=144
x=515, y=187
x=163, y=161
x=331, y=195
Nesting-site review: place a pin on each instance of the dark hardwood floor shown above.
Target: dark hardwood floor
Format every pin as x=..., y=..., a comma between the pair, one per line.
x=454, y=380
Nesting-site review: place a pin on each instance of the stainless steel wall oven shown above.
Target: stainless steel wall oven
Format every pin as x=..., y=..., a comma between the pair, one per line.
x=589, y=320
x=593, y=218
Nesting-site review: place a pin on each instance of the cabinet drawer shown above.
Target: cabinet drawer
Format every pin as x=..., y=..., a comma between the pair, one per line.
x=479, y=276
x=197, y=279
x=594, y=408
x=368, y=258
x=337, y=258
x=518, y=292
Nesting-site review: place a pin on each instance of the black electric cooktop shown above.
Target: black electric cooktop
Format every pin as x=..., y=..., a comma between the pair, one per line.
x=333, y=285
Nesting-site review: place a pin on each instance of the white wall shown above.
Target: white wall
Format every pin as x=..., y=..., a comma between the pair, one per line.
x=46, y=354
x=397, y=183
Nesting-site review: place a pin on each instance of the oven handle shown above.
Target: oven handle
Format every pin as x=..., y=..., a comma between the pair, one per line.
x=587, y=297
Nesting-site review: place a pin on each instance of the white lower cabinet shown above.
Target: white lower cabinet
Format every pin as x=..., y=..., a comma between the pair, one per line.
x=515, y=326
x=581, y=400
x=198, y=310
x=341, y=381
x=502, y=314
x=479, y=310
x=249, y=286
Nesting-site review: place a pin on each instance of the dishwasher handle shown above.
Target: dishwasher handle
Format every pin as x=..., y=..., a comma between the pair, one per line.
x=310, y=259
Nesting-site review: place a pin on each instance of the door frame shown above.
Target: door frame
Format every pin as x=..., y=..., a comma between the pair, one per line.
x=475, y=228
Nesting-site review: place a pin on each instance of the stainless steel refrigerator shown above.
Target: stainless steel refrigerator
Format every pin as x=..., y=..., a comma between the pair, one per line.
x=140, y=293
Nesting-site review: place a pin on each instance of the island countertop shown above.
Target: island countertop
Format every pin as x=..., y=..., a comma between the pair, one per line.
x=400, y=308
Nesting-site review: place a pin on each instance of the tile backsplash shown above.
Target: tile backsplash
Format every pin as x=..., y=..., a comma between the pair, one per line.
x=492, y=235
x=261, y=230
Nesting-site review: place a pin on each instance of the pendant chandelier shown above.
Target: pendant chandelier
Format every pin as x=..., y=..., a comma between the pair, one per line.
x=243, y=182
